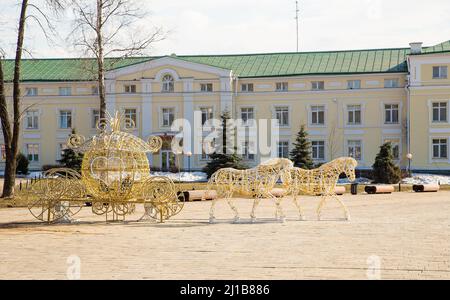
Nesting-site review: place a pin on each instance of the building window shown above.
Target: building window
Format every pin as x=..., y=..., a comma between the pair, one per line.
x=3, y=152
x=95, y=118
x=318, y=150
x=65, y=119
x=318, y=115
x=282, y=86
x=247, y=87
x=440, y=112
x=31, y=92
x=440, y=72
x=317, y=85
x=247, y=116
x=354, y=114
x=207, y=114
x=32, y=119
x=65, y=91
x=131, y=114
x=94, y=90
x=391, y=113
x=391, y=83
x=354, y=149
x=33, y=152
x=207, y=149
x=130, y=89
x=283, y=149
x=282, y=115
x=440, y=149
x=395, y=145
x=168, y=84
x=353, y=84
x=206, y=87
x=248, y=150
x=168, y=116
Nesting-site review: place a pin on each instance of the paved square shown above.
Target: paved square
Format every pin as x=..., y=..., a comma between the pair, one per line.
x=407, y=234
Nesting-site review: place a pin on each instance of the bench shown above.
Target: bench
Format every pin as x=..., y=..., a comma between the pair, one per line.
x=426, y=188
x=379, y=189
x=200, y=195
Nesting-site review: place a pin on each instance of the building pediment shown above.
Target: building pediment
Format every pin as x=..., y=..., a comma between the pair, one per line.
x=165, y=65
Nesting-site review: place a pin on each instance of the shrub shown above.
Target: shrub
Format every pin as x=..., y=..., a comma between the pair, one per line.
x=384, y=168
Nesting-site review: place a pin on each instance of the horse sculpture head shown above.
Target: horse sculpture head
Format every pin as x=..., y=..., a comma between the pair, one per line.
x=348, y=166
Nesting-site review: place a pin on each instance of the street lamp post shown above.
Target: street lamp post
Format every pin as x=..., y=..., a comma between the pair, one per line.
x=409, y=156
x=189, y=154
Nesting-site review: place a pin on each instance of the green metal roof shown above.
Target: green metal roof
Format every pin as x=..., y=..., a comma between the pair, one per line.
x=243, y=65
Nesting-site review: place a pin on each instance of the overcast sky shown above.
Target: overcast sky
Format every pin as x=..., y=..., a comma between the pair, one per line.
x=255, y=26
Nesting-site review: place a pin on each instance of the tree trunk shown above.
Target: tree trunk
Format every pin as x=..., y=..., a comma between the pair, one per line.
x=12, y=146
x=100, y=60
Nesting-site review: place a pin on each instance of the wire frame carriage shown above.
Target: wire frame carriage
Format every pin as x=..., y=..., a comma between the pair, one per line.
x=115, y=177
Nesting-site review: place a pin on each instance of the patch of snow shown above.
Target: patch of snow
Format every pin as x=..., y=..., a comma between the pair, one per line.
x=427, y=179
x=360, y=180
x=183, y=176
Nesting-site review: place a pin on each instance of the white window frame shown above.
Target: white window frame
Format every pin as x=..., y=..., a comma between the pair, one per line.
x=442, y=70
x=318, y=85
x=318, y=159
x=136, y=116
x=60, y=111
x=208, y=112
x=173, y=111
x=361, y=145
x=248, y=122
x=245, y=88
x=246, y=153
x=432, y=144
x=313, y=109
x=31, y=92
x=167, y=83
x=351, y=84
x=93, y=117
x=276, y=115
x=391, y=83
x=2, y=152
x=32, y=157
x=65, y=91
x=283, y=144
x=130, y=88
x=282, y=86
x=61, y=146
x=353, y=111
x=394, y=140
x=446, y=115
x=34, y=120
x=391, y=113
x=206, y=87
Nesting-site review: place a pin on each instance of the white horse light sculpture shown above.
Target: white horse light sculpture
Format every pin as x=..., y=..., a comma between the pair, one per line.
x=257, y=183
x=321, y=181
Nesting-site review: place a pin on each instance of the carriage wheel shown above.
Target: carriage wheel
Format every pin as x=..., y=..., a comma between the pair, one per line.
x=162, y=200
x=56, y=195
x=100, y=208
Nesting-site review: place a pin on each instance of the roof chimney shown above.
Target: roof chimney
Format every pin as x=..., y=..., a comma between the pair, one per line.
x=416, y=47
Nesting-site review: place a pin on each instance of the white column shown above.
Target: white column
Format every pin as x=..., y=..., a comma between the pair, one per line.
x=188, y=105
x=226, y=95
x=147, y=112
x=110, y=85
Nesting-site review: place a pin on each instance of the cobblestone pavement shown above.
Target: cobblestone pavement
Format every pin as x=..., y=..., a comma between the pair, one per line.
x=396, y=236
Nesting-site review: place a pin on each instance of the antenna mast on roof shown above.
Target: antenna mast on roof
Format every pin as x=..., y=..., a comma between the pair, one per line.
x=296, y=19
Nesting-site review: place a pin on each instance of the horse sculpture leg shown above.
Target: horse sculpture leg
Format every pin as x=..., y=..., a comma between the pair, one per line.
x=212, y=218
x=299, y=208
x=279, y=213
x=319, y=208
x=233, y=207
x=347, y=216
x=255, y=205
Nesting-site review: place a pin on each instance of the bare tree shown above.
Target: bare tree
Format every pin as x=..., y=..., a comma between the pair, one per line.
x=332, y=141
x=11, y=129
x=100, y=29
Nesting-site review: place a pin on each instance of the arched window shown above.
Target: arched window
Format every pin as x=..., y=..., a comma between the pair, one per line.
x=167, y=84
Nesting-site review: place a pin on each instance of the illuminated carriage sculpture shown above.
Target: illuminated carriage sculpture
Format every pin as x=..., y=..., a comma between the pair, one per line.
x=115, y=176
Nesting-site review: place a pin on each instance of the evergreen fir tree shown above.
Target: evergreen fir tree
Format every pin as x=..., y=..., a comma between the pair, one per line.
x=301, y=153
x=384, y=168
x=70, y=159
x=222, y=159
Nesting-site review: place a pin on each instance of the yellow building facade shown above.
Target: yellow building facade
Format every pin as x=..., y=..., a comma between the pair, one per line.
x=351, y=102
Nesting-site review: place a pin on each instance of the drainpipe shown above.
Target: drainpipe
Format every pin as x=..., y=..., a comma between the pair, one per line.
x=408, y=97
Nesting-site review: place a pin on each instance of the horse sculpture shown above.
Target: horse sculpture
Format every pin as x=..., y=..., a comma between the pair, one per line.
x=319, y=182
x=257, y=183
